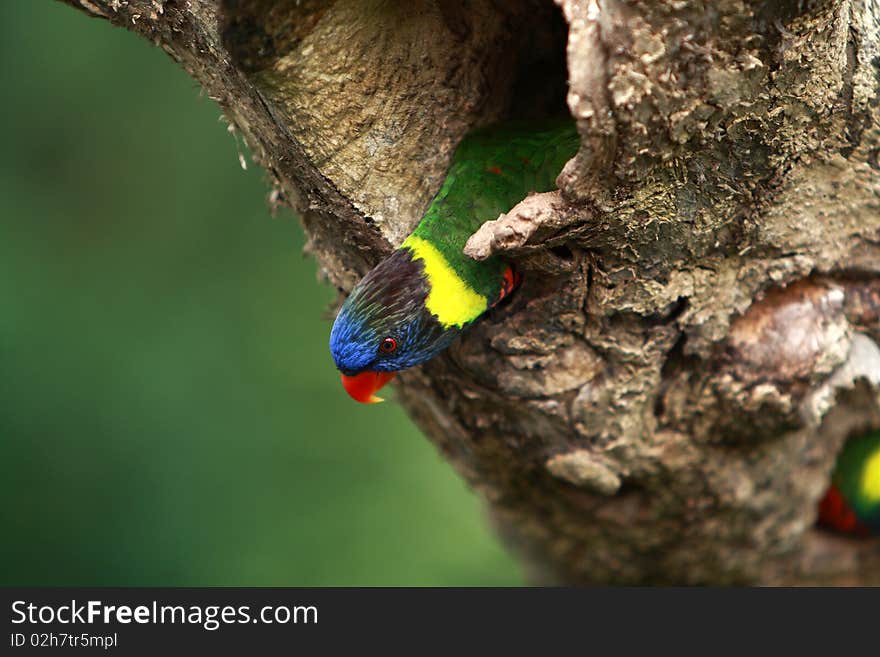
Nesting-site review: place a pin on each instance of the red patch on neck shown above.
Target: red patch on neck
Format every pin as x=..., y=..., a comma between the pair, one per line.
x=510, y=280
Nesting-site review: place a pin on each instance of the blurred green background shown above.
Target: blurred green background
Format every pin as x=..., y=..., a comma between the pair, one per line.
x=169, y=414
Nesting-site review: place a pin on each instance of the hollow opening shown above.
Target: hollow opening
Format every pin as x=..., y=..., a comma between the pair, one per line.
x=540, y=78
x=375, y=94
x=520, y=48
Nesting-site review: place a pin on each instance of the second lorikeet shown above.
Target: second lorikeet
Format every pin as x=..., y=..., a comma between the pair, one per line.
x=413, y=304
x=852, y=503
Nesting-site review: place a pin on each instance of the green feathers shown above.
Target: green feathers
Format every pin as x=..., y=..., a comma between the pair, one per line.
x=852, y=504
x=492, y=170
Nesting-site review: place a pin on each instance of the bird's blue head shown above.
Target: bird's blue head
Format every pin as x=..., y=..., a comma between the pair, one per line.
x=384, y=326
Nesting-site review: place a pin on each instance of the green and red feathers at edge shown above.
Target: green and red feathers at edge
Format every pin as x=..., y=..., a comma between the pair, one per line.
x=852, y=503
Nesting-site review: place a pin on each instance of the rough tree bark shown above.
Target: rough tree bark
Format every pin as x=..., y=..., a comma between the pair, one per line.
x=698, y=332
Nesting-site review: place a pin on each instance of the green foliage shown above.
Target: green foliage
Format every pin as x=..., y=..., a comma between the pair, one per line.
x=169, y=413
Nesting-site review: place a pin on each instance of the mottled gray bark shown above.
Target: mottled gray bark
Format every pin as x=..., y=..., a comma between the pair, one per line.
x=697, y=334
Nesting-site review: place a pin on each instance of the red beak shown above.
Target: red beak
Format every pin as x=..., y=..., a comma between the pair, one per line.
x=361, y=387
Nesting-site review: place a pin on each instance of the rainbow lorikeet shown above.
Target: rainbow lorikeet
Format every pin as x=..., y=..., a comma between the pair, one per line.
x=413, y=304
x=852, y=503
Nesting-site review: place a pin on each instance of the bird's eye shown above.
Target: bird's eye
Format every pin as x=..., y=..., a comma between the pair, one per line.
x=388, y=345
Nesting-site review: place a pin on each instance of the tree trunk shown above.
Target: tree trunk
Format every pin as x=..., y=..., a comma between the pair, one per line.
x=663, y=400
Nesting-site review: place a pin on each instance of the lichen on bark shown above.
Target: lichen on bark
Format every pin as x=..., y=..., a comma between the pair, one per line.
x=663, y=400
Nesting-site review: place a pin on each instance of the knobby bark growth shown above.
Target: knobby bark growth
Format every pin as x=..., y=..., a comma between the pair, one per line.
x=698, y=332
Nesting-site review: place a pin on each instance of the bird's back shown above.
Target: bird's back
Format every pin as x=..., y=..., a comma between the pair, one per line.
x=492, y=170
